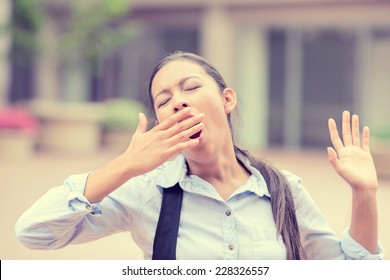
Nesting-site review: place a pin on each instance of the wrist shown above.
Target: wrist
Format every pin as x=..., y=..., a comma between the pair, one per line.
x=365, y=188
x=364, y=192
x=124, y=167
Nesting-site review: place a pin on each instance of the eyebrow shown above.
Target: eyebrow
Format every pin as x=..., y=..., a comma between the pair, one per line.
x=181, y=82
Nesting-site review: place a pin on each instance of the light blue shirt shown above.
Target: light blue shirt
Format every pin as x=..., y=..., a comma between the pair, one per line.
x=242, y=227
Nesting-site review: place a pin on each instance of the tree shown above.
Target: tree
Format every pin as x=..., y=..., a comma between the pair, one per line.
x=69, y=37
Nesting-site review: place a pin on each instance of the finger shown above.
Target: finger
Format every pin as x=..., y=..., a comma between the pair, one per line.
x=185, y=125
x=334, y=135
x=366, y=139
x=346, y=128
x=355, y=130
x=186, y=134
x=142, y=123
x=183, y=146
x=175, y=118
x=332, y=155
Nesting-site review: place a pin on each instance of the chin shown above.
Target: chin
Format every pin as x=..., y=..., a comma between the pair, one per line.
x=200, y=153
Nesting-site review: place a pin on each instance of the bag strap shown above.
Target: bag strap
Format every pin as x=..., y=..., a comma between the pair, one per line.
x=165, y=239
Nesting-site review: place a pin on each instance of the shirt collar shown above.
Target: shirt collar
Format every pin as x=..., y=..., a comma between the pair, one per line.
x=176, y=171
x=257, y=182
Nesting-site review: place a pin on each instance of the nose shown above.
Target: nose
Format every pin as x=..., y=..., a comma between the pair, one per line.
x=180, y=106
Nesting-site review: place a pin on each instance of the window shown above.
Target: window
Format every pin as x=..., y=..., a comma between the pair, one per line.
x=326, y=81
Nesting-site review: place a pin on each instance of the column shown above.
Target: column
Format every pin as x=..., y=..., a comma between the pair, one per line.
x=47, y=65
x=252, y=87
x=217, y=40
x=377, y=94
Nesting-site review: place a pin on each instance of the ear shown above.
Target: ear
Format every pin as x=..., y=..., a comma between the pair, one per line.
x=156, y=123
x=229, y=100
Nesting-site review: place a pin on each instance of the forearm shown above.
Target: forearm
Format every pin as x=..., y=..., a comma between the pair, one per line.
x=51, y=221
x=104, y=180
x=364, y=221
x=63, y=216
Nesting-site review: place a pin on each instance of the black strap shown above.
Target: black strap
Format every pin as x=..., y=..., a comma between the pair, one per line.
x=165, y=239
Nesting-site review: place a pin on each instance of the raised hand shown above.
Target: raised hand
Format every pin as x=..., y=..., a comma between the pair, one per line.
x=351, y=157
x=149, y=149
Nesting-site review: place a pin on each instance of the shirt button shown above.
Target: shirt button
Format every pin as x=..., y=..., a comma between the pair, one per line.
x=231, y=247
x=228, y=212
x=89, y=209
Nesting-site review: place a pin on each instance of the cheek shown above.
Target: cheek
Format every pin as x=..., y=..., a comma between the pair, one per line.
x=161, y=116
x=215, y=107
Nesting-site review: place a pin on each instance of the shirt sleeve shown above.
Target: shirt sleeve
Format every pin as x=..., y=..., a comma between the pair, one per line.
x=64, y=216
x=353, y=250
x=318, y=240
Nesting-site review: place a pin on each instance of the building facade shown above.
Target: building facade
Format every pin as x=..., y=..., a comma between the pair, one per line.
x=293, y=63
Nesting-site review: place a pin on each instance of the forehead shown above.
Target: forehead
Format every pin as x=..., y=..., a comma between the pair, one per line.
x=171, y=73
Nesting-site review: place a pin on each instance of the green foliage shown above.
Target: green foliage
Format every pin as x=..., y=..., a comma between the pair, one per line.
x=95, y=29
x=122, y=114
x=91, y=28
x=28, y=12
x=116, y=8
x=23, y=25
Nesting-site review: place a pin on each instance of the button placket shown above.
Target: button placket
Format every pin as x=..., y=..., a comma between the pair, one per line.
x=229, y=233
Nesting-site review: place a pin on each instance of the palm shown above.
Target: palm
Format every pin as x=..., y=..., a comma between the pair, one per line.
x=351, y=157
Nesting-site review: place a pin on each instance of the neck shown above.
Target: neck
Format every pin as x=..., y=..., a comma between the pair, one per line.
x=218, y=167
x=222, y=170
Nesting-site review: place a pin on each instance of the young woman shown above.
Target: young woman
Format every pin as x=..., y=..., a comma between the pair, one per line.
x=185, y=190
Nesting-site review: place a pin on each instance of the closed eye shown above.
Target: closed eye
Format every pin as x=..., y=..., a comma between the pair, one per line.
x=163, y=103
x=192, y=88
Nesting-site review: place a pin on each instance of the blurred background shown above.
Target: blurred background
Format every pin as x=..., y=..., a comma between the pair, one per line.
x=74, y=75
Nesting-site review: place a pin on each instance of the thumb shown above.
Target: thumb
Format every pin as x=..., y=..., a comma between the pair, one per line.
x=332, y=155
x=142, y=123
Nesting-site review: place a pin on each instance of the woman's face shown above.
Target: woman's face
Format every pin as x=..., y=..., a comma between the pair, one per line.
x=183, y=83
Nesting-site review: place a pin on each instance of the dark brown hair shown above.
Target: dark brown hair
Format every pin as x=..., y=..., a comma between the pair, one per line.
x=282, y=202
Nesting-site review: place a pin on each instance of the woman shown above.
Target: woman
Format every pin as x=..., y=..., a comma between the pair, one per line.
x=185, y=190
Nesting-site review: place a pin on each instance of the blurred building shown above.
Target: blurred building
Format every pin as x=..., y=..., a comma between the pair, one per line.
x=293, y=63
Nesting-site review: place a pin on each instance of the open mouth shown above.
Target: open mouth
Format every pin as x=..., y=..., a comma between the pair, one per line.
x=196, y=135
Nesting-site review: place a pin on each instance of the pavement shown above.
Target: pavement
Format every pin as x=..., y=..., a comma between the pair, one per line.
x=24, y=180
